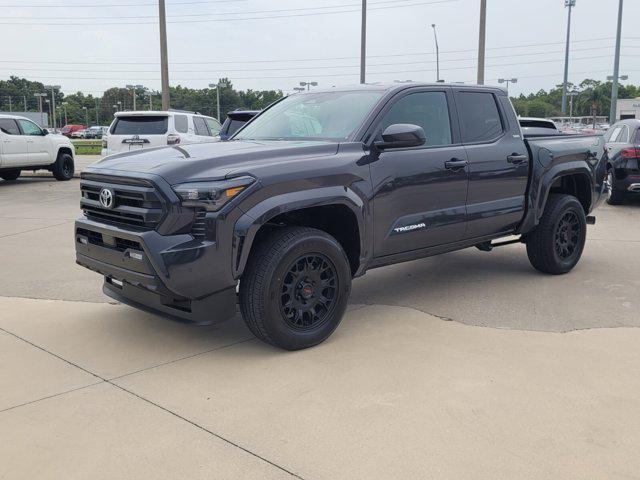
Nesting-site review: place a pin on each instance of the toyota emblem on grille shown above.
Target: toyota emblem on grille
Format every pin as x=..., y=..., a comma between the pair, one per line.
x=106, y=198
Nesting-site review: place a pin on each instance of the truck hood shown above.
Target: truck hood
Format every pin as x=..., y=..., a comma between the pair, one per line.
x=207, y=161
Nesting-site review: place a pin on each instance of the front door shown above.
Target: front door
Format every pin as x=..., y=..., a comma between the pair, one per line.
x=37, y=142
x=14, y=151
x=419, y=192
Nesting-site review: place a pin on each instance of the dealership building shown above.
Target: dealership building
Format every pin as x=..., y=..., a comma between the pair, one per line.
x=628, y=108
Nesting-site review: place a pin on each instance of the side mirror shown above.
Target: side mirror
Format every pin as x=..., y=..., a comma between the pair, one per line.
x=45, y=132
x=402, y=135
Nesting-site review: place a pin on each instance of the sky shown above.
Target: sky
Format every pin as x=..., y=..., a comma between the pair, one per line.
x=91, y=45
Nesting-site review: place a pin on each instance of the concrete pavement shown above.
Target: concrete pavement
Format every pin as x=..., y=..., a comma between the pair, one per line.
x=90, y=389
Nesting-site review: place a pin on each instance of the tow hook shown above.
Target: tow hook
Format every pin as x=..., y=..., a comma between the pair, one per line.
x=591, y=220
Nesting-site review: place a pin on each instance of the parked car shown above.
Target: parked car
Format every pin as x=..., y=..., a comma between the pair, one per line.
x=623, y=167
x=234, y=121
x=319, y=188
x=79, y=134
x=68, y=130
x=95, y=132
x=26, y=146
x=146, y=129
x=537, y=127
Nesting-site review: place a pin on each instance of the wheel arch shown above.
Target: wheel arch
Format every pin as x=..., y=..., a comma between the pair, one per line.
x=339, y=211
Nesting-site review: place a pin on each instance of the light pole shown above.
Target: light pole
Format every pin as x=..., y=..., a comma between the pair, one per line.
x=150, y=94
x=86, y=115
x=39, y=97
x=481, y=40
x=64, y=105
x=97, y=112
x=507, y=81
x=217, y=87
x=10, y=105
x=133, y=88
x=435, y=36
x=164, y=57
x=570, y=4
x=53, y=89
x=310, y=84
x=571, y=95
x=49, y=108
x=616, y=70
x=363, y=42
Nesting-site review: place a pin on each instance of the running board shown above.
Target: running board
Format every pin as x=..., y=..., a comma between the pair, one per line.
x=488, y=246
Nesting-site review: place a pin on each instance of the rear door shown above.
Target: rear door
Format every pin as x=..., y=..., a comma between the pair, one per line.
x=498, y=161
x=420, y=192
x=14, y=149
x=135, y=132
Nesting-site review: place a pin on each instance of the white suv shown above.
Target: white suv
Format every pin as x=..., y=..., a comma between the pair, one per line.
x=26, y=146
x=135, y=130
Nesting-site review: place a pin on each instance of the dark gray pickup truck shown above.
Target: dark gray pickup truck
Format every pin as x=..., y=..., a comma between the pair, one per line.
x=319, y=188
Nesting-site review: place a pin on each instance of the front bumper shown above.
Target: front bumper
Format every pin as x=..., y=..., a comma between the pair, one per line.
x=174, y=275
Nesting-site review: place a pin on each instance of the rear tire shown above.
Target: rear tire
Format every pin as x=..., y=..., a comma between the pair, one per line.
x=295, y=287
x=556, y=245
x=64, y=167
x=615, y=196
x=10, y=175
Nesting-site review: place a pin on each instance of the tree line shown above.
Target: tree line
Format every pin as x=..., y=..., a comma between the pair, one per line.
x=16, y=93
x=99, y=110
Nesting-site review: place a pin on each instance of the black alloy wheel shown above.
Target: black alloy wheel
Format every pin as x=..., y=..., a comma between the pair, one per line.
x=568, y=234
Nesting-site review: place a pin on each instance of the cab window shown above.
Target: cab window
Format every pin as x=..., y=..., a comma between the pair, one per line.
x=479, y=117
x=214, y=126
x=29, y=128
x=427, y=110
x=201, y=127
x=182, y=123
x=9, y=126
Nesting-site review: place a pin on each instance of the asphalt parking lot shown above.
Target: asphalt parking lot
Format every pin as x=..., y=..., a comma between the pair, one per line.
x=466, y=365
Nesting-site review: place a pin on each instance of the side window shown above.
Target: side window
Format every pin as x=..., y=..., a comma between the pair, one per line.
x=425, y=109
x=479, y=117
x=9, y=126
x=182, y=123
x=29, y=128
x=214, y=126
x=624, y=135
x=201, y=127
x=612, y=134
x=637, y=140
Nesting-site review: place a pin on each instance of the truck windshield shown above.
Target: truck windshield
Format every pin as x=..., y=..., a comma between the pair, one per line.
x=312, y=116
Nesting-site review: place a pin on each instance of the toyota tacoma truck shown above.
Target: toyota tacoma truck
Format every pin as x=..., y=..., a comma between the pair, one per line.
x=26, y=146
x=323, y=186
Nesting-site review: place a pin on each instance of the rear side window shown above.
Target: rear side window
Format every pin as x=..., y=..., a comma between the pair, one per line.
x=637, y=140
x=233, y=125
x=427, y=110
x=612, y=134
x=479, y=117
x=182, y=123
x=201, y=127
x=140, y=125
x=9, y=126
x=624, y=135
x=214, y=126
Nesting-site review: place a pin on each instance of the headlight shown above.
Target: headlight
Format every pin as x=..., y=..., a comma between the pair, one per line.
x=211, y=195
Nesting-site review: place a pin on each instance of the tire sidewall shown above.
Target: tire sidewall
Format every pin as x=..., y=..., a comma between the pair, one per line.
x=275, y=324
x=62, y=159
x=569, y=205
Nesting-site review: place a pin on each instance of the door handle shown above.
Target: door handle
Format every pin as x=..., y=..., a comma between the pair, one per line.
x=516, y=159
x=455, y=164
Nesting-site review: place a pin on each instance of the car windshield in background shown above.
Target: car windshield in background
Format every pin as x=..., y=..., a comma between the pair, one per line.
x=143, y=125
x=312, y=116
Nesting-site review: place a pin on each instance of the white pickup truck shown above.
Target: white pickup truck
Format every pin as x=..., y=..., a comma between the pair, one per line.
x=26, y=146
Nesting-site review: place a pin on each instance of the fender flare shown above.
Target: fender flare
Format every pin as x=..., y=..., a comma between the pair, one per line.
x=247, y=226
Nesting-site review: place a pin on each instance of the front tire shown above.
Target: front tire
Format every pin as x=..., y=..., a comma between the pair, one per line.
x=10, y=175
x=64, y=167
x=556, y=245
x=295, y=288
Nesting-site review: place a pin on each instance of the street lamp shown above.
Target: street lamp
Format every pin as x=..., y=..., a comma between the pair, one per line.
x=299, y=89
x=435, y=36
x=308, y=84
x=217, y=87
x=53, y=89
x=507, y=81
x=570, y=4
x=571, y=95
x=134, y=88
x=149, y=93
x=86, y=116
x=49, y=108
x=64, y=105
x=39, y=96
x=616, y=69
x=10, y=105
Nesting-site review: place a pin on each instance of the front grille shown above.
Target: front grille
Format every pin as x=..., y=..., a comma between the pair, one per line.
x=116, y=243
x=136, y=203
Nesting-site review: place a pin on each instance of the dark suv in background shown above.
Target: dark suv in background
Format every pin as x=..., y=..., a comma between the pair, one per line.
x=234, y=121
x=623, y=168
